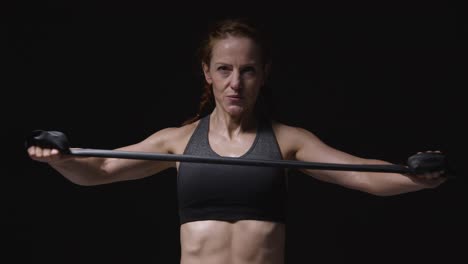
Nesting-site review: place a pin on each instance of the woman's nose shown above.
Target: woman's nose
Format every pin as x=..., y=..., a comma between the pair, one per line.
x=235, y=80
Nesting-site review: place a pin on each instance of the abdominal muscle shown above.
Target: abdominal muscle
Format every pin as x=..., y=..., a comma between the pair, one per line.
x=240, y=242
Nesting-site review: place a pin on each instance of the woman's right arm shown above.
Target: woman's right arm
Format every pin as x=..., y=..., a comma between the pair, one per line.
x=94, y=171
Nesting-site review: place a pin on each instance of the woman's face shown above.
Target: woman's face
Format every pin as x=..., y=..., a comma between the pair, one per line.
x=236, y=74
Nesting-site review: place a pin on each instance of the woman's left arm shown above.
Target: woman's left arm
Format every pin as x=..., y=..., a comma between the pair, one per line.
x=305, y=146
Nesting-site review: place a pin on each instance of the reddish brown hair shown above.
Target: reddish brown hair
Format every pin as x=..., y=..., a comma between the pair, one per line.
x=239, y=27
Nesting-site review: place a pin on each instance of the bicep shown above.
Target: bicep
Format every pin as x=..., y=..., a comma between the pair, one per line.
x=310, y=148
x=129, y=169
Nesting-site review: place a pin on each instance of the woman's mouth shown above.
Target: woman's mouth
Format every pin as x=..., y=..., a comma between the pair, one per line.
x=235, y=98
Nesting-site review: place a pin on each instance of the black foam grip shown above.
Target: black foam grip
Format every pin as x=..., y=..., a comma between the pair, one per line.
x=48, y=139
x=427, y=162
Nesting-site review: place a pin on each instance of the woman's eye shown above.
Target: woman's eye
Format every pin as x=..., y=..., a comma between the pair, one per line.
x=249, y=70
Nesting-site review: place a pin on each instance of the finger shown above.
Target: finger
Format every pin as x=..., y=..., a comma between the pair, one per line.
x=46, y=153
x=31, y=151
x=38, y=152
x=54, y=152
x=427, y=176
x=437, y=174
x=438, y=181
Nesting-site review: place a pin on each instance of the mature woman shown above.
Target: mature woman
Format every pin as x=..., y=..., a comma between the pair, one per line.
x=228, y=213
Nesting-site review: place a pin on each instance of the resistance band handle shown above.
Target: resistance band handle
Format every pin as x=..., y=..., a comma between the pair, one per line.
x=48, y=139
x=431, y=162
x=427, y=162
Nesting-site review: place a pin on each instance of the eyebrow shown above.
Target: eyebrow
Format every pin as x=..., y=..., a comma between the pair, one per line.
x=242, y=66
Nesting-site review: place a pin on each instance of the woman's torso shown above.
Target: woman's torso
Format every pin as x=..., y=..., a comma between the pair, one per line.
x=244, y=241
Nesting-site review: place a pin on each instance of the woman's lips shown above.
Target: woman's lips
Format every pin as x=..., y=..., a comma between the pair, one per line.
x=235, y=98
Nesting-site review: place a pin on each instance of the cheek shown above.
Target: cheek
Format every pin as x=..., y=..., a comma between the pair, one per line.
x=254, y=87
x=218, y=82
x=218, y=91
x=217, y=87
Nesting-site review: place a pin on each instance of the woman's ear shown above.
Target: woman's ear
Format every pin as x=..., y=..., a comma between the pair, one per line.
x=206, y=73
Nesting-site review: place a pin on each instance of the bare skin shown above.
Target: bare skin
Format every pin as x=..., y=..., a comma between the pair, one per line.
x=245, y=241
x=248, y=241
x=236, y=76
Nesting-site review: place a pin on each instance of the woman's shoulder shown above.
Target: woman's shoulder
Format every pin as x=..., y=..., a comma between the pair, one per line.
x=290, y=133
x=283, y=128
x=175, y=138
x=176, y=132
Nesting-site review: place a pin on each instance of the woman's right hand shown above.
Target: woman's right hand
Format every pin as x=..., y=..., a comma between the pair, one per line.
x=47, y=155
x=48, y=146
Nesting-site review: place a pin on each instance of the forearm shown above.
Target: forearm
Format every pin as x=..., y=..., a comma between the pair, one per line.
x=386, y=184
x=81, y=171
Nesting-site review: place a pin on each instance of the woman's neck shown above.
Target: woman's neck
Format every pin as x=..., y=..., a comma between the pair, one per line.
x=232, y=126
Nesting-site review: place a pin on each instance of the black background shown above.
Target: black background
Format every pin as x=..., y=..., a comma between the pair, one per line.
x=375, y=81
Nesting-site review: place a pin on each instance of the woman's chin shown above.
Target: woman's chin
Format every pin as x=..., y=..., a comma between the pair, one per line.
x=236, y=110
